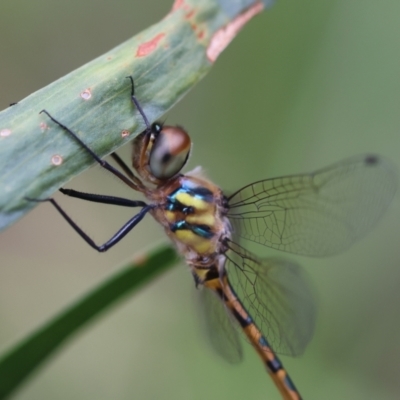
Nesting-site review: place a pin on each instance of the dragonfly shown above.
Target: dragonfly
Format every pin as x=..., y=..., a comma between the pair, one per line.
x=270, y=300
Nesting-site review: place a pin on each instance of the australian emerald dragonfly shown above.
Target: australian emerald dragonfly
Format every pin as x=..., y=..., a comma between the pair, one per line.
x=315, y=214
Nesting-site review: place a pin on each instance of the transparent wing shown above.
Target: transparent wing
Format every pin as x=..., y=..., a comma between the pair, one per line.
x=315, y=214
x=221, y=329
x=278, y=296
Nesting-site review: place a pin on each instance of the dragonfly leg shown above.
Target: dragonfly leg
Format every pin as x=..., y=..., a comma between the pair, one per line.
x=124, y=167
x=104, y=164
x=114, y=239
x=99, y=198
x=137, y=104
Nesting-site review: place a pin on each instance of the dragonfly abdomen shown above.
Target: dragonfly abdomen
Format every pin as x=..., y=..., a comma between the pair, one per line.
x=276, y=369
x=272, y=363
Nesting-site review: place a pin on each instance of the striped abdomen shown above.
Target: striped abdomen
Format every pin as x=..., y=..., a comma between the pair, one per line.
x=274, y=366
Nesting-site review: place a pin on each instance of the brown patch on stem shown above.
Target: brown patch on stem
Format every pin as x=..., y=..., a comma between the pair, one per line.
x=180, y=4
x=148, y=47
x=225, y=35
x=140, y=259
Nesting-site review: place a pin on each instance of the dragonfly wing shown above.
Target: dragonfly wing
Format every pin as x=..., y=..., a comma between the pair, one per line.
x=278, y=296
x=315, y=214
x=221, y=329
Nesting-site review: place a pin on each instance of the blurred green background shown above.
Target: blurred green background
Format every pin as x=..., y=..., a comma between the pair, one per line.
x=304, y=85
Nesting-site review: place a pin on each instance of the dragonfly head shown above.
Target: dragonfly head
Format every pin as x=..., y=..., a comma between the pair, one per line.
x=161, y=152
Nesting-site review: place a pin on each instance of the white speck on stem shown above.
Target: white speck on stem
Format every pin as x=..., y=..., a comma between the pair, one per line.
x=5, y=132
x=56, y=160
x=86, y=94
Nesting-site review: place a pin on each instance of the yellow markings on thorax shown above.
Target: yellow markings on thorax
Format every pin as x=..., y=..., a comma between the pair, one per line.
x=192, y=217
x=206, y=218
x=170, y=216
x=191, y=201
x=197, y=243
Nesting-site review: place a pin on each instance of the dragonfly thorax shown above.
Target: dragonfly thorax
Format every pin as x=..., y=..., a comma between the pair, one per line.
x=193, y=213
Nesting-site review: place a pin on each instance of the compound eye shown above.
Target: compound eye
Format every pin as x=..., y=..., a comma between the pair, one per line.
x=169, y=153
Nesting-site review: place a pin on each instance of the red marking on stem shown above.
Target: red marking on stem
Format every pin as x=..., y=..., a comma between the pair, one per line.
x=189, y=14
x=179, y=4
x=225, y=35
x=148, y=47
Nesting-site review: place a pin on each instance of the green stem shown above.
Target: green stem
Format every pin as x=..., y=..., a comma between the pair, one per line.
x=166, y=60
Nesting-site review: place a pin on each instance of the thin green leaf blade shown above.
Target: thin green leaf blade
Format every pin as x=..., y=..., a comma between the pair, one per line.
x=17, y=364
